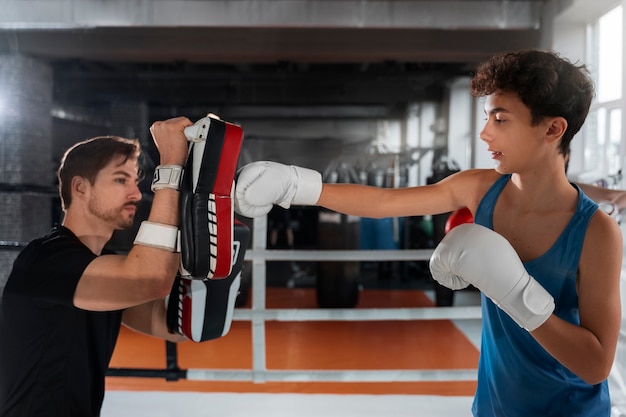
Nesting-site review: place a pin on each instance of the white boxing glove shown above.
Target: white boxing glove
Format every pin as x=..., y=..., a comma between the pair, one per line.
x=262, y=184
x=474, y=254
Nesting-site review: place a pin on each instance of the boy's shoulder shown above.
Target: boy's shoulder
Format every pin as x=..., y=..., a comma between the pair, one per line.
x=481, y=178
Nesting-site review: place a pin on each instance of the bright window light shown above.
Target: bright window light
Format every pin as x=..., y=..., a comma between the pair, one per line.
x=603, y=128
x=610, y=58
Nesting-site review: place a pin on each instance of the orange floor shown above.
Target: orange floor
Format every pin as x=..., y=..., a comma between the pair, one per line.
x=367, y=345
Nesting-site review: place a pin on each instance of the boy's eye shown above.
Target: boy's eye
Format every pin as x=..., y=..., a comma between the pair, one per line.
x=496, y=119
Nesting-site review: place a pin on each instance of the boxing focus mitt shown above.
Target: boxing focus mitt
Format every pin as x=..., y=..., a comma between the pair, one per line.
x=203, y=310
x=206, y=191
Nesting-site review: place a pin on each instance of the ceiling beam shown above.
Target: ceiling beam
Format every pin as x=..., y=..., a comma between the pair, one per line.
x=364, y=14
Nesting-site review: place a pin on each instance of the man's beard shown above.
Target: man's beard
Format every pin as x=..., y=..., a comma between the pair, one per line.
x=112, y=215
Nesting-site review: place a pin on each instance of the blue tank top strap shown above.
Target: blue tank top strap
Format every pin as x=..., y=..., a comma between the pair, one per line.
x=586, y=206
x=484, y=212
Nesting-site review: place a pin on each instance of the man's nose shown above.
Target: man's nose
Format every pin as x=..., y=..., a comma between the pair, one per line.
x=135, y=194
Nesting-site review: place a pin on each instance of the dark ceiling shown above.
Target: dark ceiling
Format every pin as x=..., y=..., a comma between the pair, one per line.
x=190, y=69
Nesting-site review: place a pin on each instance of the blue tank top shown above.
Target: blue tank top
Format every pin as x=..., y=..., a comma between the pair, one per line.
x=516, y=376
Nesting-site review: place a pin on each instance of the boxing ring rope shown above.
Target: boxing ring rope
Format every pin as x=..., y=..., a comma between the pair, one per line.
x=259, y=314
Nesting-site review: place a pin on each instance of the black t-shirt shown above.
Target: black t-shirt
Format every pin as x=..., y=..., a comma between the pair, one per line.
x=53, y=356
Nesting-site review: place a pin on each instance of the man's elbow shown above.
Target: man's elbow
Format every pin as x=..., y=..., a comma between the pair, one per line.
x=162, y=279
x=162, y=284
x=157, y=284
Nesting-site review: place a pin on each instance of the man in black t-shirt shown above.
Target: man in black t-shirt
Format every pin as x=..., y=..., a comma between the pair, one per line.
x=65, y=299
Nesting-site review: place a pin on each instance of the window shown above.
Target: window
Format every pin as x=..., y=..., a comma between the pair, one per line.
x=603, y=128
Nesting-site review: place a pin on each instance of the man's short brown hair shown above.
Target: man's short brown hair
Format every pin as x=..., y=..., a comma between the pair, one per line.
x=87, y=158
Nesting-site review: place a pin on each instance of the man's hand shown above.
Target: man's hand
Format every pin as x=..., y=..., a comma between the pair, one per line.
x=170, y=140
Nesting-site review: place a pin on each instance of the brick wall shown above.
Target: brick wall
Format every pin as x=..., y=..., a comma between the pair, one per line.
x=25, y=151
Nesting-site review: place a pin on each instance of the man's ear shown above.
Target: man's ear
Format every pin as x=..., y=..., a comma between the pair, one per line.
x=556, y=128
x=79, y=186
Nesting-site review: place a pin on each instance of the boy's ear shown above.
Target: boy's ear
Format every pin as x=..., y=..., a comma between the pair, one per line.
x=556, y=128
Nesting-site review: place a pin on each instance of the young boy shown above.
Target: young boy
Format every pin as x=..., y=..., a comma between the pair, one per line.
x=546, y=260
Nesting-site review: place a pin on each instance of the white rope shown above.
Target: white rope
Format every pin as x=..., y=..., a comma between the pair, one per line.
x=259, y=314
x=379, y=375
x=362, y=314
x=339, y=255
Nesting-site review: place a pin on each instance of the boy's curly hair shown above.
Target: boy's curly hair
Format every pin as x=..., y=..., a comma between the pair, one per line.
x=547, y=84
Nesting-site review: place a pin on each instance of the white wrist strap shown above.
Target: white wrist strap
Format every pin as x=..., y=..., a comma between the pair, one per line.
x=167, y=176
x=309, y=186
x=157, y=235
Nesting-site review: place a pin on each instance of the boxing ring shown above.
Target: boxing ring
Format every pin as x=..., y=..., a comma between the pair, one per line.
x=258, y=255
x=258, y=315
